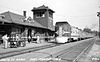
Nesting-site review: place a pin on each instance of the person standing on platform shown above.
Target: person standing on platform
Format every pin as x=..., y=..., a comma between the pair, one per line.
x=5, y=40
x=38, y=39
x=29, y=39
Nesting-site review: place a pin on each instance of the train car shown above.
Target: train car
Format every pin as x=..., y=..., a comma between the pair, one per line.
x=75, y=33
x=86, y=35
x=63, y=30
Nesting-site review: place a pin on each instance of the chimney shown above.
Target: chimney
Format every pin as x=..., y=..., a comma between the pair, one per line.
x=24, y=14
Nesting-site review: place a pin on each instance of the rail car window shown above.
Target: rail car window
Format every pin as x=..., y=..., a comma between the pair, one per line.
x=66, y=34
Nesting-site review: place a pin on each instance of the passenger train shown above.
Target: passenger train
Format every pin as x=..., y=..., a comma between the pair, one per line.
x=67, y=33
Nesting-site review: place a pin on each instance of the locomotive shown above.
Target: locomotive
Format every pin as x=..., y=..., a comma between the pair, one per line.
x=63, y=30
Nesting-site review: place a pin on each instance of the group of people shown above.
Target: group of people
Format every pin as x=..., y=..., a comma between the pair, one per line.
x=5, y=40
x=30, y=39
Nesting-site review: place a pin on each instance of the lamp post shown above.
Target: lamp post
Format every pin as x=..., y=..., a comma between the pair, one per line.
x=99, y=22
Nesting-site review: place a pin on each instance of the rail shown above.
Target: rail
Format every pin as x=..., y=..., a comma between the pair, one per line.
x=72, y=50
x=89, y=46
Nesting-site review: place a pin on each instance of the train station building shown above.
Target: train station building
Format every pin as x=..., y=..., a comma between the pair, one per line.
x=40, y=25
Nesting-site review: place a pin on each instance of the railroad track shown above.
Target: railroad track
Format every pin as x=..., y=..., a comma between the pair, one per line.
x=23, y=51
x=73, y=53
x=84, y=51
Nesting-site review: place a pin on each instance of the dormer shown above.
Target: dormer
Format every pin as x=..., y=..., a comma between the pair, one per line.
x=2, y=16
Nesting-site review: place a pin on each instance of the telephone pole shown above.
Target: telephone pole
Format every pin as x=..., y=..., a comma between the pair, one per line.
x=99, y=22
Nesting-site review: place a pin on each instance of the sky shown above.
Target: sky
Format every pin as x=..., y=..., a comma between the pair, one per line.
x=78, y=13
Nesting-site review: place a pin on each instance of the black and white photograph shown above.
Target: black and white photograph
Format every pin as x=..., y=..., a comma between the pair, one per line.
x=49, y=30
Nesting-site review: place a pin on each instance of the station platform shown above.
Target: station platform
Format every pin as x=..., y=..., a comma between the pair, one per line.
x=28, y=45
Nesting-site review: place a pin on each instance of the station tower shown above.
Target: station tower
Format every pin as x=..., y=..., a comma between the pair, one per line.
x=44, y=16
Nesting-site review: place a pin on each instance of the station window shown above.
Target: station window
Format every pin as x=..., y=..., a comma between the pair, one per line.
x=50, y=14
x=40, y=14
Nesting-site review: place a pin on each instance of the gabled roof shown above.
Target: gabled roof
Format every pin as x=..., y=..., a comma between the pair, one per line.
x=34, y=24
x=13, y=17
x=38, y=24
x=18, y=19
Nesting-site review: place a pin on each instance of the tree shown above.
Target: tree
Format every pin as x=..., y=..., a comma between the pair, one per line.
x=87, y=30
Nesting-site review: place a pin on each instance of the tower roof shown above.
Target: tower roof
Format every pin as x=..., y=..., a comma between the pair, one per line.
x=42, y=7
